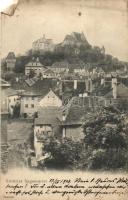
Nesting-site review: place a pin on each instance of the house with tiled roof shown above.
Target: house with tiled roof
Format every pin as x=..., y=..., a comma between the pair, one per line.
x=59, y=67
x=13, y=99
x=11, y=61
x=72, y=123
x=34, y=67
x=46, y=124
x=117, y=95
x=118, y=91
x=49, y=74
x=29, y=103
x=51, y=99
x=78, y=68
x=58, y=122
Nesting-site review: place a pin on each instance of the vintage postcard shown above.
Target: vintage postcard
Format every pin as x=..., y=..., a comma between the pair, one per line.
x=64, y=99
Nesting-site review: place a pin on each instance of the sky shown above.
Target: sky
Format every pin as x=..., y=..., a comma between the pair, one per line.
x=104, y=23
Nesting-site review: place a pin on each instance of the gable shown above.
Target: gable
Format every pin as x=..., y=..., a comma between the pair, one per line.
x=51, y=94
x=50, y=99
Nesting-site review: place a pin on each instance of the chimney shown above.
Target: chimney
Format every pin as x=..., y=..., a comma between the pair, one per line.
x=91, y=86
x=87, y=85
x=63, y=117
x=17, y=79
x=75, y=84
x=114, y=90
x=102, y=81
x=37, y=60
x=114, y=81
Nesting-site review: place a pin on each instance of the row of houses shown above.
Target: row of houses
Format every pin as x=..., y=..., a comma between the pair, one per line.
x=29, y=102
x=66, y=121
x=60, y=68
x=53, y=118
x=36, y=68
x=111, y=90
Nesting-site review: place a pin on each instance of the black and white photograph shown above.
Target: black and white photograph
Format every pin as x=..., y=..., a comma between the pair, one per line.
x=64, y=99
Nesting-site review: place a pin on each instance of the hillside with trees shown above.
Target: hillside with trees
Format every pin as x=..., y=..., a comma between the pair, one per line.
x=73, y=48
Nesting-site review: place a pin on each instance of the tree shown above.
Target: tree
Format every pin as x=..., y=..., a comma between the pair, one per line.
x=107, y=136
x=31, y=73
x=21, y=61
x=64, y=154
x=105, y=145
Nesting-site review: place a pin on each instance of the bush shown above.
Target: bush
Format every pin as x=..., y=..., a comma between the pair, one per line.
x=64, y=154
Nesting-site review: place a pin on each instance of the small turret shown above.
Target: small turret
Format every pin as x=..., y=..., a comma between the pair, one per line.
x=11, y=61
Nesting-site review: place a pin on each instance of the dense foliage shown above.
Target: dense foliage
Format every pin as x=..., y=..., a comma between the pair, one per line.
x=105, y=145
x=89, y=55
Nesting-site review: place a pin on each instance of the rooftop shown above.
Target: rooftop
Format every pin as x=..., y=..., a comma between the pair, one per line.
x=43, y=40
x=10, y=92
x=48, y=116
x=49, y=71
x=61, y=64
x=39, y=87
x=35, y=62
x=122, y=92
x=30, y=93
x=11, y=55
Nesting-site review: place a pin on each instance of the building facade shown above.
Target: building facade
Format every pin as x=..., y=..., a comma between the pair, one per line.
x=49, y=74
x=50, y=100
x=13, y=99
x=42, y=45
x=34, y=68
x=46, y=124
x=59, y=67
x=29, y=104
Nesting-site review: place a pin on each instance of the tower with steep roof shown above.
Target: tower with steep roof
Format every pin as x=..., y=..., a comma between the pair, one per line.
x=11, y=61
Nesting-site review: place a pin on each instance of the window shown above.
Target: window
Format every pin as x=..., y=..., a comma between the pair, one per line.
x=49, y=133
x=32, y=105
x=25, y=115
x=26, y=105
